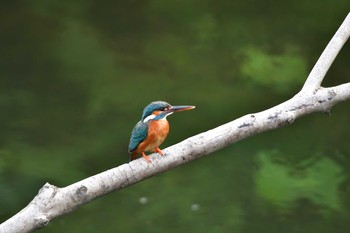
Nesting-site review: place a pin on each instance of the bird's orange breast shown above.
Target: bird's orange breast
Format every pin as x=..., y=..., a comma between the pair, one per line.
x=157, y=132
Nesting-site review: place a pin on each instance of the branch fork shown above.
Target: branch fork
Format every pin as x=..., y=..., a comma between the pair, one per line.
x=52, y=202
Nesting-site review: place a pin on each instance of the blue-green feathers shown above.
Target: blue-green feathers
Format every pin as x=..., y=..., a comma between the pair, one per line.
x=138, y=135
x=154, y=106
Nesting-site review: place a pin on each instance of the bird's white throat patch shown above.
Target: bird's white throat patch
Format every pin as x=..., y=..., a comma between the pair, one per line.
x=152, y=116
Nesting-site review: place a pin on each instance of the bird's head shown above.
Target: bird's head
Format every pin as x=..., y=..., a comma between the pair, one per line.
x=160, y=109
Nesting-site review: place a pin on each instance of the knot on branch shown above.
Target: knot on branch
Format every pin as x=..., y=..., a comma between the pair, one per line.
x=46, y=194
x=331, y=94
x=80, y=193
x=41, y=222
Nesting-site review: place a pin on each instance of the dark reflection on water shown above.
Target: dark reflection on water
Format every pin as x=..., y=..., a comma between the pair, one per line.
x=75, y=76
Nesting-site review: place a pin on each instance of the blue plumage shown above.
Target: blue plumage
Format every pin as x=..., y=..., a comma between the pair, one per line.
x=139, y=132
x=152, y=129
x=154, y=106
x=138, y=135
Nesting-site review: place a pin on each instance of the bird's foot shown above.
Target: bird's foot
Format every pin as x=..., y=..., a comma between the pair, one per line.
x=146, y=157
x=159, y=151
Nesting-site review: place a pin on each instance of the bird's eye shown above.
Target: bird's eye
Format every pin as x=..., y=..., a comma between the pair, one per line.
x=164, y=108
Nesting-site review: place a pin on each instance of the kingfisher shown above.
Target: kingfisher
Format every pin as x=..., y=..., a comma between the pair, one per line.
x=150, y=132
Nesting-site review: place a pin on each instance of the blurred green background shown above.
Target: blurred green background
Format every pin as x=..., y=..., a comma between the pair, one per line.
x=75, y=76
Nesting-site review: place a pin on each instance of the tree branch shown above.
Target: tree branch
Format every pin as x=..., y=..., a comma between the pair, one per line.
x=327, y=57
x=52, y=201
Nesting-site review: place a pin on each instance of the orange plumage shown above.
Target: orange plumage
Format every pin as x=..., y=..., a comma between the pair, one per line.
x=157, y=132
x=150, y=132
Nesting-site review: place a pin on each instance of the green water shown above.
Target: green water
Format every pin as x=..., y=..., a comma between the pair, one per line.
x=75, y=76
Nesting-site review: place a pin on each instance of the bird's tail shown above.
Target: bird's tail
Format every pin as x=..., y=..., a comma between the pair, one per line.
x=133, y=156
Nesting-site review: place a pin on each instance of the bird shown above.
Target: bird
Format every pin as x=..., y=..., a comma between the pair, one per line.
x=150, y=132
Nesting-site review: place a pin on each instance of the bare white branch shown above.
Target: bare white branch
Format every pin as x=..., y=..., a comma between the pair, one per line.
x=52, y=201
x=326, y=59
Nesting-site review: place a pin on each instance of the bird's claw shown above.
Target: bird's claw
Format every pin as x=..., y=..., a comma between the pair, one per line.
x=146, y=157
x=159, y=151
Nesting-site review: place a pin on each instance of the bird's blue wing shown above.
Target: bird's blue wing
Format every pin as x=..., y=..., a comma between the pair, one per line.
x=138, y=135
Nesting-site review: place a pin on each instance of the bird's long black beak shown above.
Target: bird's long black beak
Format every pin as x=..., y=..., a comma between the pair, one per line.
x=181, y=108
